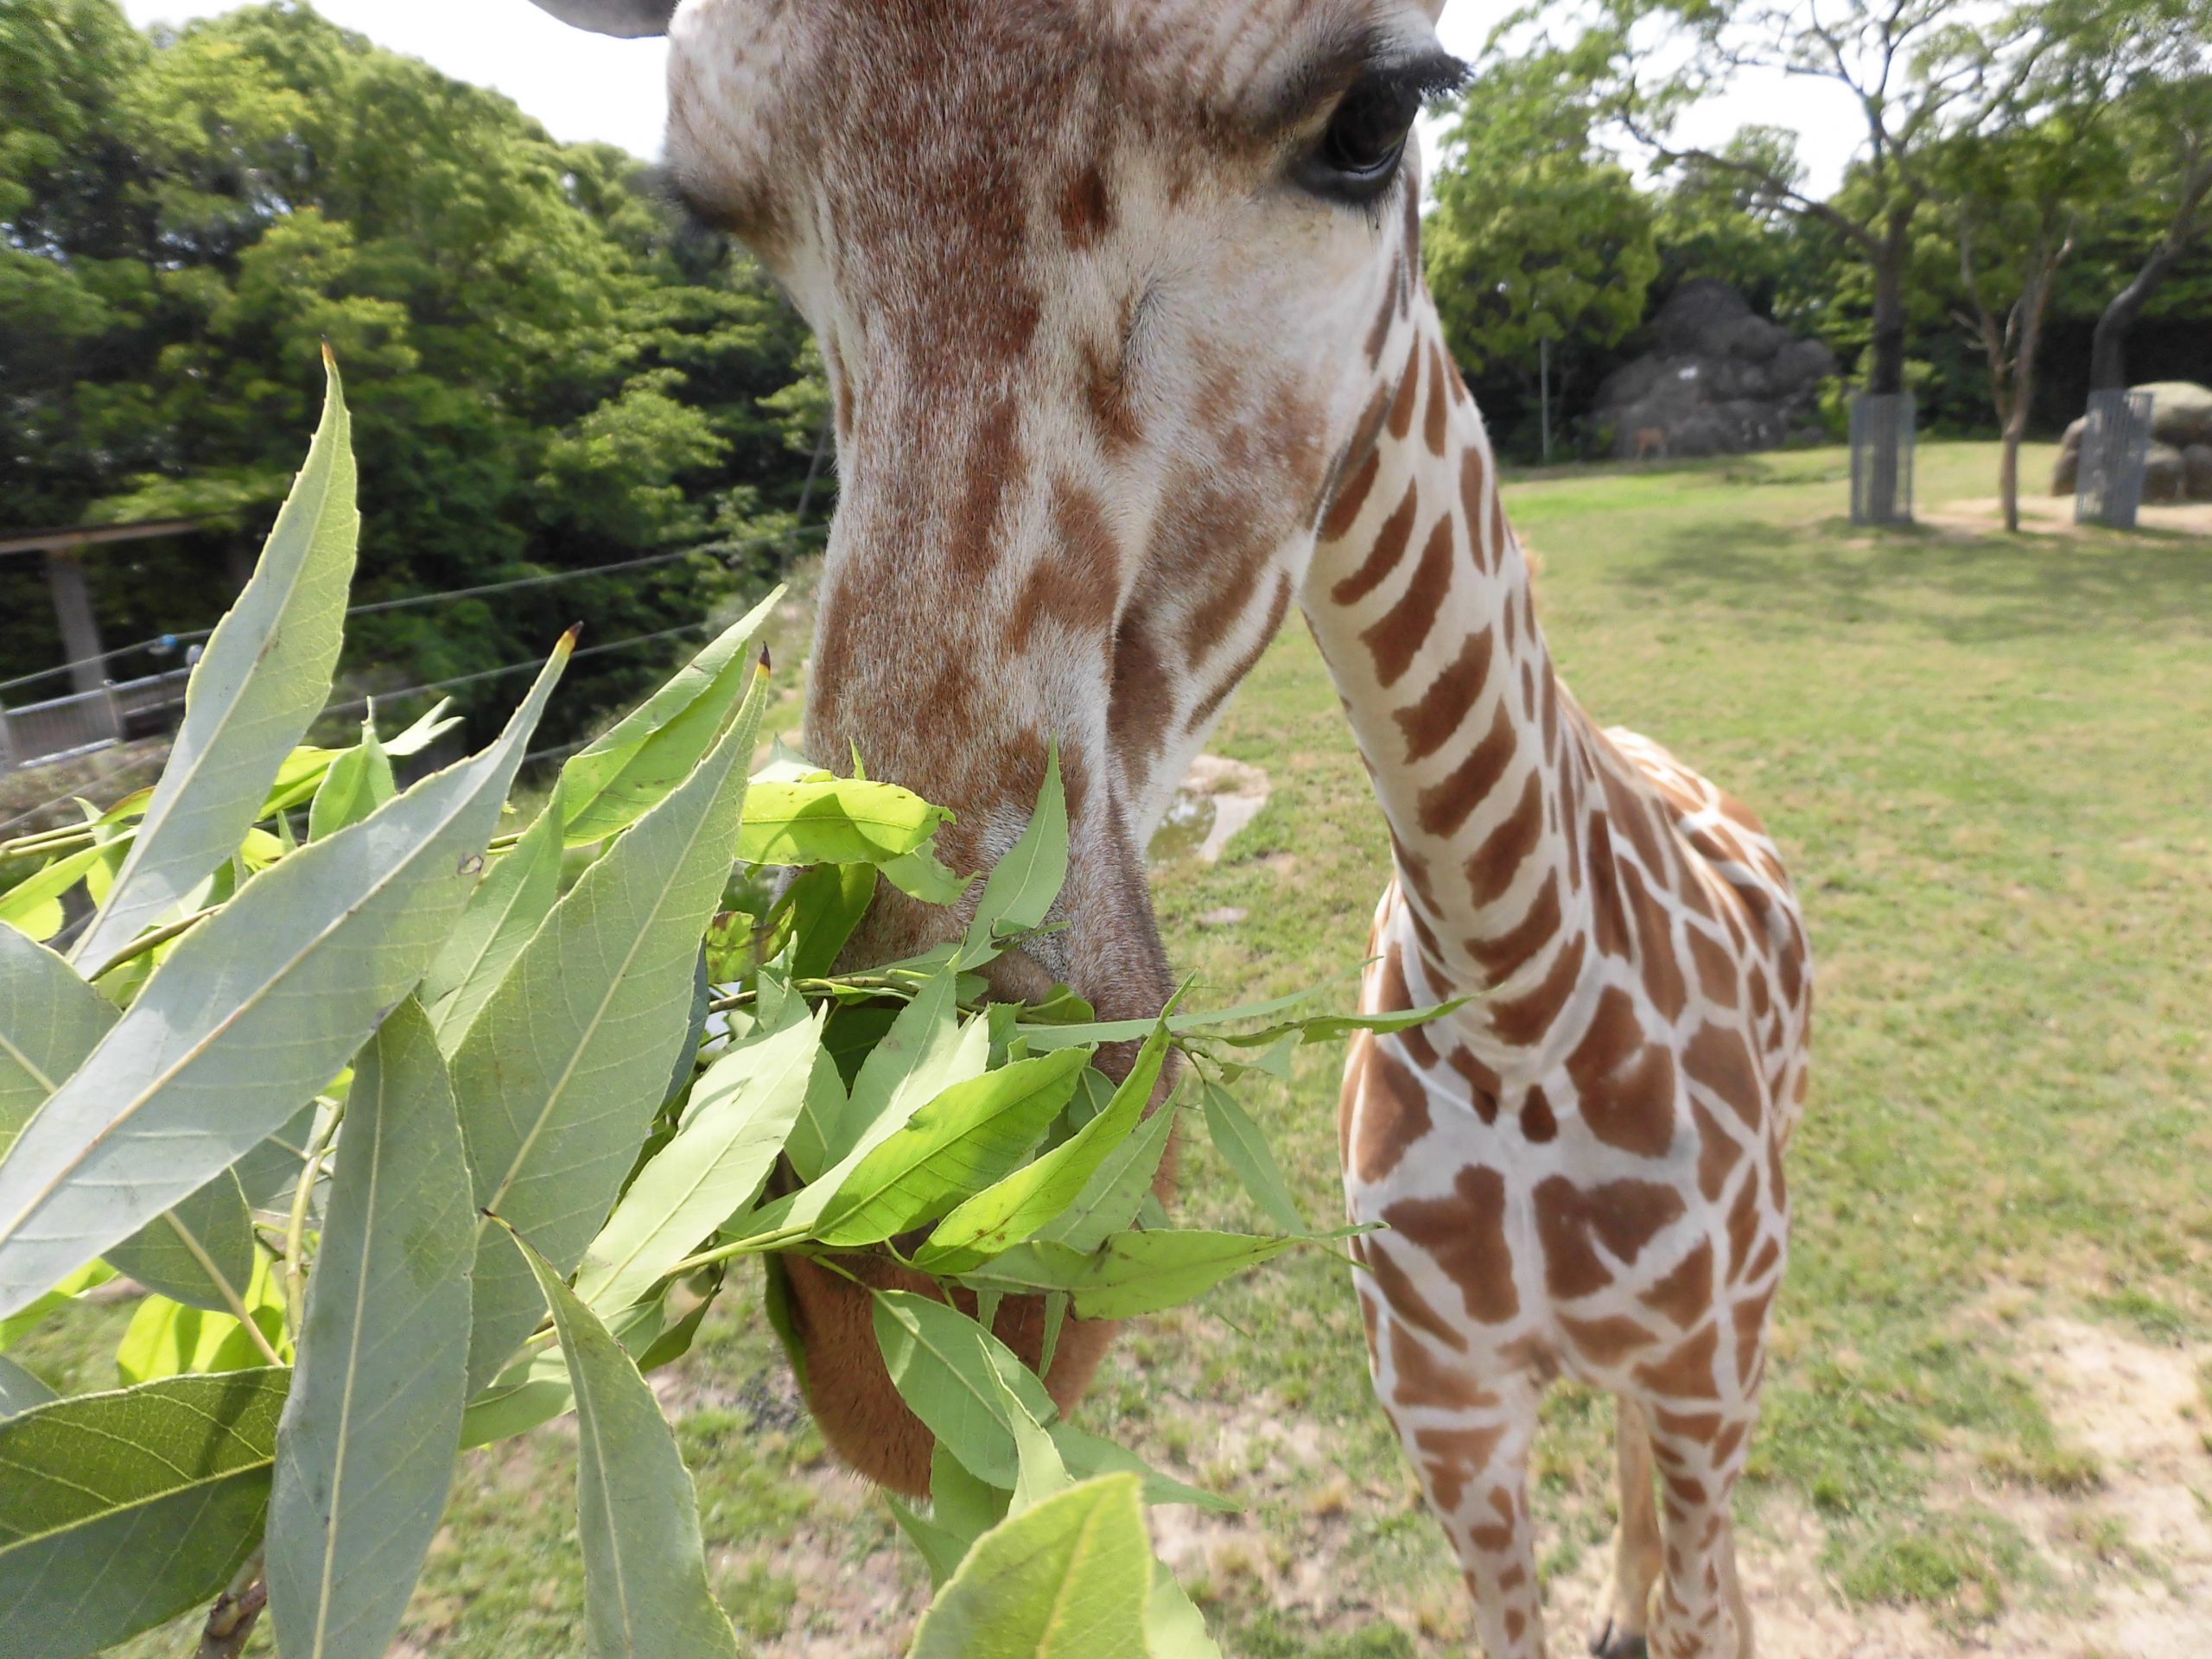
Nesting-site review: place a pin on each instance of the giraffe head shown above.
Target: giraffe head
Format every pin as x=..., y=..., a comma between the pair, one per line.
x=1104, y=288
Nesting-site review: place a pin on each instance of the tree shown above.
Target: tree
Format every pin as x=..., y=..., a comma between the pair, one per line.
x=2162, y=50
x=550, y=374
x=1537, y=234
x=2014, y=199
x=1916, y=82
x=1712, y=222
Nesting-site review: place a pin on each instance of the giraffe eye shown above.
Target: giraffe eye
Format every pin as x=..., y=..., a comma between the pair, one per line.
x=1359, y=152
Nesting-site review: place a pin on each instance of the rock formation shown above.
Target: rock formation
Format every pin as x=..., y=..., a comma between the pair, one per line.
x=1720, y=380
x=2179, y=467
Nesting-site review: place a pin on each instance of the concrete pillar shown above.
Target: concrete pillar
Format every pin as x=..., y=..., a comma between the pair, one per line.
x=80, y=629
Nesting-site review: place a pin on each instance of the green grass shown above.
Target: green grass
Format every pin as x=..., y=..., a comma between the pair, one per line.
x=1986, y=759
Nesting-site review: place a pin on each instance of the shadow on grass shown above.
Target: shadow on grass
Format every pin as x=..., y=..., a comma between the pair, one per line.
x=1960, y=586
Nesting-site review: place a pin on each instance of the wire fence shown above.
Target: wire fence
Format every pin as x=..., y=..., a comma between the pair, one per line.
x=167, y=642
x=55, y=729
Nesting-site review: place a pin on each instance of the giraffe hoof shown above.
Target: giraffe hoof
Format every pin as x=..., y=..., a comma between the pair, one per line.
x=1611, y=1643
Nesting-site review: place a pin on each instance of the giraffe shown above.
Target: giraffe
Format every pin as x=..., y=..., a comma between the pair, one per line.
x=1122, y=311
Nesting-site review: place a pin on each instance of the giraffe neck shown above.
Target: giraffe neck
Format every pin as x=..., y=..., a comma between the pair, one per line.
x=1419, y=596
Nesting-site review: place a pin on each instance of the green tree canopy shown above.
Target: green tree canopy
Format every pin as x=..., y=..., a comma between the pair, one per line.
x=1537, y=234
x=549, y=373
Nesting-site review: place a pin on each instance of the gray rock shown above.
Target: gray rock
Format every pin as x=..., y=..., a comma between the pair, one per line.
x=2066, y=471
x=2181, y=414
x=2162, y=474
x=2196, y=472
x=1721, y=380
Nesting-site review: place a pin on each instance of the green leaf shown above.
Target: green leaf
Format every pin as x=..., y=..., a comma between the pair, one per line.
x=365, y=1449
x=1071, y=1577
x=1038, y=1470
x=971, y=1134
x=1172, y=1626
x=942, y=1549
x=429, y=726
x=948, y=1370
x=91, y=1276
x=20, y=1390
x=1117, y=1188
x=826, y=820
x=199, y=1252
x=925, y=1050
x=1049, y=1036
x=121, y=1511
x=1012, y=1209
x=503, y=912
x=270, y=1174
x=255, y=1010
x=618, y=778
x=359, y=781
x=821, y=1116
x=259, y=684
x=167, y=1338
x=1241, y=1144
x=827, y=903
x=1087, y=1454
x=968, y=1506
x=1135, y=1273
x=1024, y=883
x=741, y=1109
x=646, y=1589
x=50, y=1019
x=536, y=1389
x=32, y=907
x=559, y=1075
x=921, y=874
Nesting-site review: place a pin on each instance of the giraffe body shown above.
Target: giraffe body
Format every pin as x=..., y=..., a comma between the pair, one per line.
x=1122, y=311
x=1578, y=1171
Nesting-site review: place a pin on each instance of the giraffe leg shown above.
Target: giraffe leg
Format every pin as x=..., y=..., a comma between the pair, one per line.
x=1469, y=1441
x=1697, y=1608
x=1637, y=1549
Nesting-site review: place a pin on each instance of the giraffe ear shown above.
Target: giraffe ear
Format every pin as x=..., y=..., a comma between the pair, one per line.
x=627, y=20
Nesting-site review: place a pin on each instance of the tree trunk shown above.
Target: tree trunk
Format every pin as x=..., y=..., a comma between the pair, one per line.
x=1885, y=374
x=2008, y=476
x=2109, y=345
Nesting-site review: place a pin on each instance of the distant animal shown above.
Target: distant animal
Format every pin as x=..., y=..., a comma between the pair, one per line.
x=1121, y=308
x=1650, y=441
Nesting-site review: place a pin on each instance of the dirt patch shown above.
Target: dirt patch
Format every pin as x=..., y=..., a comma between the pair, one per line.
x=2054, y=514
x=2123, y=1568
x=1217, y=799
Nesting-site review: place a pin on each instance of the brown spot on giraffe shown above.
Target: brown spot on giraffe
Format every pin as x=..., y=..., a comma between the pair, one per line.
x=1445, y=705
x=1625, y=1082
x=1086, y=207
x=1343, y=509
x=1392, y=1112
x=1682, y=1296
x=1445, y=805
x=1396, y=638
x=1499, y=860
x=1465, y=1234
x=1383, y=555
x=1520, y=1021
x=1571, y=1221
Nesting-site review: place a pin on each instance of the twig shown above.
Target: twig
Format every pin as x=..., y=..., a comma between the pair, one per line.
x=160, y=936
x=230, y=1621
x=296, y=1292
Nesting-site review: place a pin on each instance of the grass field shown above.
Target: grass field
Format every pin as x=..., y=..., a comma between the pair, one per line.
x=1987, y=1422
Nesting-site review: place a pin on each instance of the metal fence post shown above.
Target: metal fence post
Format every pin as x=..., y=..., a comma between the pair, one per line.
x=2115, y=453
x=1881, y=458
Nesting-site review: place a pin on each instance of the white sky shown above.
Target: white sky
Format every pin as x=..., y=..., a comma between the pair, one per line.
x=582, y=87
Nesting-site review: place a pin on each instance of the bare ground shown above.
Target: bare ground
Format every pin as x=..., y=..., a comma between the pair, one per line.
x=2123, y=1568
